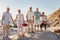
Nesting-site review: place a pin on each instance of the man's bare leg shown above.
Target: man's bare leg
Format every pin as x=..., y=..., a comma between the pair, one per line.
x=7, y=29
x=31, y=27
x=4, y=30
x=40, y=29
x=37, y=28
x=28, y=27
x=34, y=28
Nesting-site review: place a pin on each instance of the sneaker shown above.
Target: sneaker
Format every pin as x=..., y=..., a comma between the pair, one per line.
x=6, y=35
x=32, y=32
x=3, y=37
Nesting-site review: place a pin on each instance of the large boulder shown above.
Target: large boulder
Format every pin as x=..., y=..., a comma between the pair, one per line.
x=46, y=36
x=41, y=36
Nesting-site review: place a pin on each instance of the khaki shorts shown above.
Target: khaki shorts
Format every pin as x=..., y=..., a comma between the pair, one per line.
x=37, y=22
x=30, y=21
x=4, y=26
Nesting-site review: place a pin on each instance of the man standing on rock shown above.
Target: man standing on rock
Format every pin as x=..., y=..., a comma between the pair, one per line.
x=6, y=17
x=30, y=19
x=37, y=15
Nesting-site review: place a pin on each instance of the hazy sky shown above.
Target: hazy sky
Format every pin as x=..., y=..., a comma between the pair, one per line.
x=48, y=6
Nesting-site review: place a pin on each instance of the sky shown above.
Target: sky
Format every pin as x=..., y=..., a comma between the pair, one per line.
x=47, y=6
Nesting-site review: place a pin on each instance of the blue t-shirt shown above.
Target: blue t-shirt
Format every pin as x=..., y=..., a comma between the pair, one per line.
x=37, y=15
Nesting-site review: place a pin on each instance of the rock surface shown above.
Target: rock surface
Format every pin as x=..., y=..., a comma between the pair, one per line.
x=48, y=35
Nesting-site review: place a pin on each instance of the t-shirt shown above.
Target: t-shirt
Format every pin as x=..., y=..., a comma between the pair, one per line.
x=30, y=15
x=19, y=17
x=7, y=17
x=43, y=19
x=37, y=15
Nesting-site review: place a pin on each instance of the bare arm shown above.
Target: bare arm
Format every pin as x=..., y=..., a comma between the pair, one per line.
x=46, y=19
x=33, y=18
x=12, y=21
x=16, y=18
x=2, y=20
x=23, y=18
x=12, y=18
x=27, y=18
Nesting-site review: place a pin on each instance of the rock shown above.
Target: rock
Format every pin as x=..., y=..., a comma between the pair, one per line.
x=57, y=31
x=41, y=36
x=46, y=36
x=6, y=38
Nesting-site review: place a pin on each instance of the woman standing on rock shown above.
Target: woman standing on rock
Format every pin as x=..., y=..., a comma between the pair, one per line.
x=43, y=21
x=20, y=20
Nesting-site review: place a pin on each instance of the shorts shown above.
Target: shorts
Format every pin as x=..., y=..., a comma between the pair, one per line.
x=5, y=26
x=36, y=22
x=30, y=21
x=6, y=23
x=43, y=25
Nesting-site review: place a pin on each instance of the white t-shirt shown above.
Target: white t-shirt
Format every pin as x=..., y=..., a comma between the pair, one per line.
x=19, y=17
x=7, y=17
x=30, y=15
x=42, y=18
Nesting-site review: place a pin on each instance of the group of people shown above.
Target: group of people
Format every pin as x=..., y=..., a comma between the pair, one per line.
x=35, y=20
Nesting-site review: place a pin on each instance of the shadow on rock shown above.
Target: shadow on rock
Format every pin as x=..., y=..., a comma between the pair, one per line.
x=25, y=38
x=6, y=38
